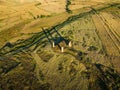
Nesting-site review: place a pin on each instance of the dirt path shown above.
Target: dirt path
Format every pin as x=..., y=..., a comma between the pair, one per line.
x=39, y=64
x=112, y=22
x=112, y=31
x=105, y=37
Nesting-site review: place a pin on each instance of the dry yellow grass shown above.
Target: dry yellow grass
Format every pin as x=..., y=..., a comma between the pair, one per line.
x=82, y=66
x=104, y=35
x=81, y=4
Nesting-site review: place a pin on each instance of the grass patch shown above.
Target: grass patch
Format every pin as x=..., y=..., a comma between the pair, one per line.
x=45, y=56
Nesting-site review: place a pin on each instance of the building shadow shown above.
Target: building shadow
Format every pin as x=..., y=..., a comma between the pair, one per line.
x=57, y=40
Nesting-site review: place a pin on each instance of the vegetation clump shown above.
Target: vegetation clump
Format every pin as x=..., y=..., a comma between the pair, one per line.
x=92, y=48
x=67, y=7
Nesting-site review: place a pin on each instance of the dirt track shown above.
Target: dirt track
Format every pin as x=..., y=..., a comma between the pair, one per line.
x=107, y=40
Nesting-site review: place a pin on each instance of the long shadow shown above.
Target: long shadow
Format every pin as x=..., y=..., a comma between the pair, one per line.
x=36, y=40
x=53, y=38
x=56, y=40
x=61, y=38
x=57, y=32
x=29, y=44
x=50, y=34
x=46, y=34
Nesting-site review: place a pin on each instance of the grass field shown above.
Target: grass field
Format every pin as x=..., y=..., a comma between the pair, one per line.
x=86, y=50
